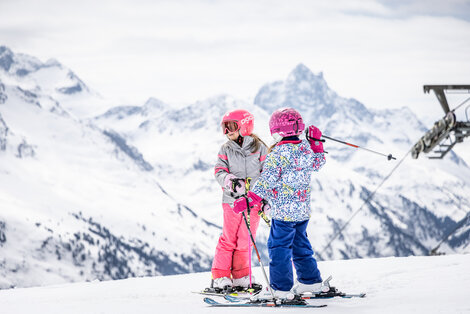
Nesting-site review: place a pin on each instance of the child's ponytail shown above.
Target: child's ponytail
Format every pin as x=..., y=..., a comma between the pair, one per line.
x=256, y=144
x=271, y=147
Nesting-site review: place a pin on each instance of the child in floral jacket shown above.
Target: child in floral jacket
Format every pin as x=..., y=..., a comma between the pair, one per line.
x=284, y=183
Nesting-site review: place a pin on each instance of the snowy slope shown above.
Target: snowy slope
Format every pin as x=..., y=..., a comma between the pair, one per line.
x=78, y=203
x=393, y=285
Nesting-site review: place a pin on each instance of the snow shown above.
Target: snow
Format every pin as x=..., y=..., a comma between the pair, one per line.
x=438, y=284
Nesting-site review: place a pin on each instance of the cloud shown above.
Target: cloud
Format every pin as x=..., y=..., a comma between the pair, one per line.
x=459, y=9
x=379, y=52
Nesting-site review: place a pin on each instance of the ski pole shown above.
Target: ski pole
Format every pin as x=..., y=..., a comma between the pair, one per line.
x=247, y=188
x=256, y=248
x=389, y=156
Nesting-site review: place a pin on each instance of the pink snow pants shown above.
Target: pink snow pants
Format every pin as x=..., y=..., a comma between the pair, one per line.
x=231, y=255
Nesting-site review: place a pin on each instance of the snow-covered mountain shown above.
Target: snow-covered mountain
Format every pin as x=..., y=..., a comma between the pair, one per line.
x=102, y=191
x=50, y=79
x=79, y=203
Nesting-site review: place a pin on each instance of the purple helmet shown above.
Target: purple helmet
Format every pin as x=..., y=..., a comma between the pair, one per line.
x=286, y=122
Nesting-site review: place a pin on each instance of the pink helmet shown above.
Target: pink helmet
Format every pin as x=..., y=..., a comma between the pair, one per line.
x=244, y=122
x=286, y=122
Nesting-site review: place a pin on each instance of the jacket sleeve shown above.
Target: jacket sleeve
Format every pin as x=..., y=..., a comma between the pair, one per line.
x=269, y=177
x=318, y=161
x=221, y=169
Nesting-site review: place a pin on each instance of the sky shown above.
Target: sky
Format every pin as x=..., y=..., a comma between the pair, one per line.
x=378, y=52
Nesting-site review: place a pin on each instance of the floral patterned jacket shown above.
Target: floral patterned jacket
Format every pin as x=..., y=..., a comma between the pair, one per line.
x=285, y=179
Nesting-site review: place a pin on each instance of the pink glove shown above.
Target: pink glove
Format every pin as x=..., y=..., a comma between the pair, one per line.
x=234, y=184
x=315, y=133
x=240, y=203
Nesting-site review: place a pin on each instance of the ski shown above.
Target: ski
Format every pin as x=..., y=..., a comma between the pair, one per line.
x=332, y=293
x=241, y=295
x=324, y=295
x=235, y=292
x=295, y=304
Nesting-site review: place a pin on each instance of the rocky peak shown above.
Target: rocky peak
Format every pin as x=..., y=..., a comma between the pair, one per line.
x=17, y=63
x=301, y=73
x=6, y=58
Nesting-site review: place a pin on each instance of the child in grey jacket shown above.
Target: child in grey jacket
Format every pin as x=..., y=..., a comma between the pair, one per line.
x=240, y=160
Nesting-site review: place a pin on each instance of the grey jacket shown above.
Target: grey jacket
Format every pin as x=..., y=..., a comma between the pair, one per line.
x=239, y=161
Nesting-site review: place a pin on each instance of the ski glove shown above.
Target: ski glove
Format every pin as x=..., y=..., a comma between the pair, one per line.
x=315, y=134
x=265, y=208
x=241, y=205
x=234, y=184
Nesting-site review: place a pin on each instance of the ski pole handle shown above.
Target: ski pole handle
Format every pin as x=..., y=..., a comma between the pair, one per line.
x=265, y=218
x=312, y=138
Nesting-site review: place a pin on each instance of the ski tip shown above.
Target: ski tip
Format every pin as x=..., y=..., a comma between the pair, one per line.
x=231, y=298
x=210, y=301
x=359, y=295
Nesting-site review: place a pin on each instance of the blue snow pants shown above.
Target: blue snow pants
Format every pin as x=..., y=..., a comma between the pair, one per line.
x=288, y=242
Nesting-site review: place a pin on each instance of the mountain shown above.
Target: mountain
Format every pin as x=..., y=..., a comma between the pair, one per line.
x=77, y=202
x=411, y=280
x=53, y=79
x=90, y=190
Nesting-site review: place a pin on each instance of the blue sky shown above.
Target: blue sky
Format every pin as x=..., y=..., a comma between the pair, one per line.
x=379, y=52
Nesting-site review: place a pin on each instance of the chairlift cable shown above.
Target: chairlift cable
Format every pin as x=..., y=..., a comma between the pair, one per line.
x=366, y=201
x=453, y=110
x=459, y=225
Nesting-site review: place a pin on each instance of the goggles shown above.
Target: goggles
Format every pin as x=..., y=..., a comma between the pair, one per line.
x=230, y=126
